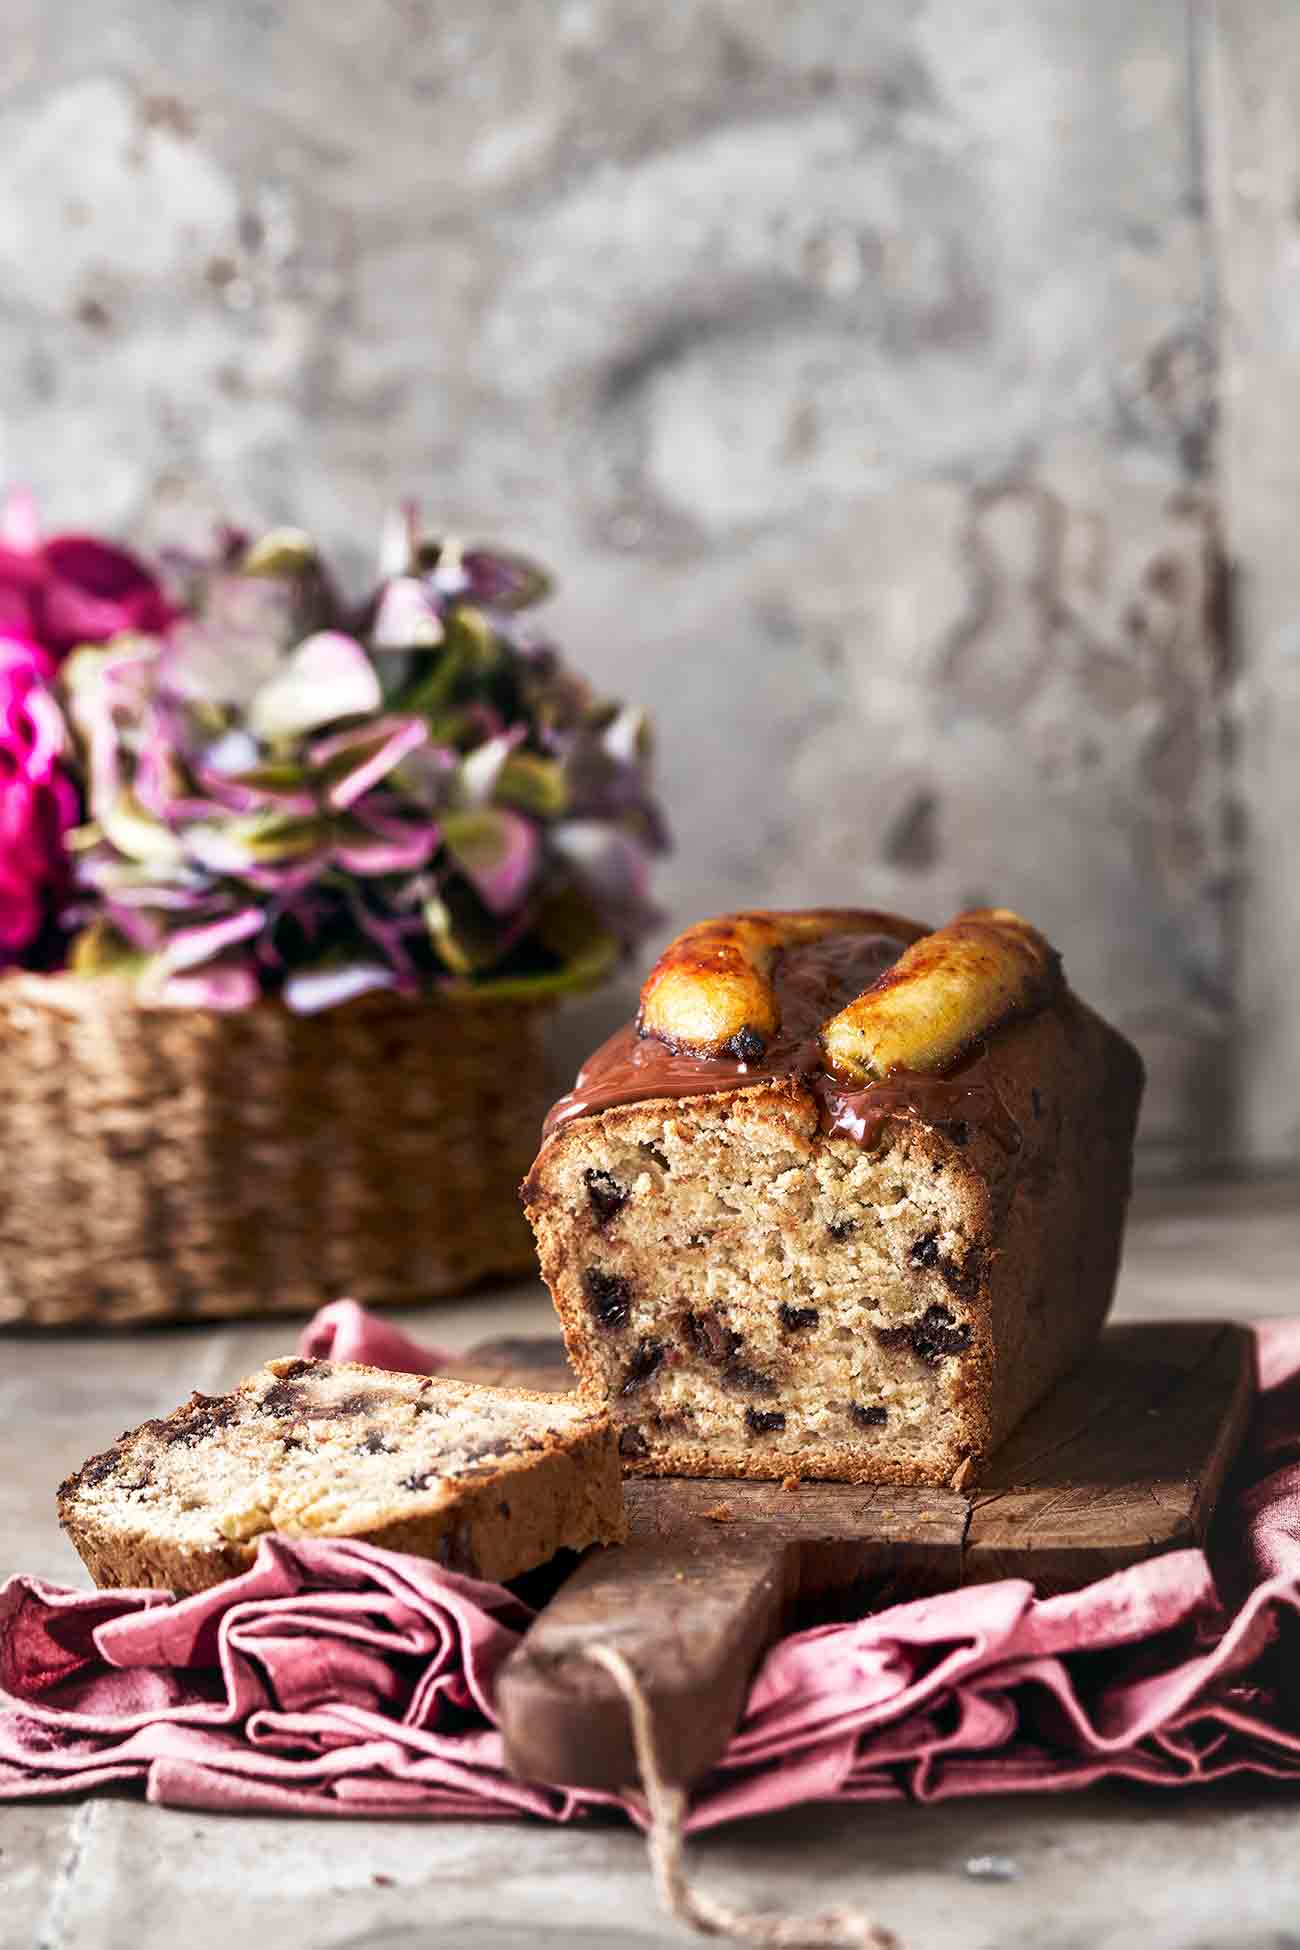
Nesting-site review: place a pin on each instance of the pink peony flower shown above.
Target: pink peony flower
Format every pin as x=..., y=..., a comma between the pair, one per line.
x=37, y=801
x=71, y=589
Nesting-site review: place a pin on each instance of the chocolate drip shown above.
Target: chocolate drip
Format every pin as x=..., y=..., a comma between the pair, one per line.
x=812, y=982
x=962, y=1099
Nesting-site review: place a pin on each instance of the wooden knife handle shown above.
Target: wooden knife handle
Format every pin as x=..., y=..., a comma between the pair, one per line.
x=692, y=1616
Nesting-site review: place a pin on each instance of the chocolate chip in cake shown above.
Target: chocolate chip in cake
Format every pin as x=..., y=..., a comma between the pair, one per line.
x=747, y=1044
x=892, y=1336
x=963, y=1279
x=869, y=1415
x=653, y=1152
x=708, y=1336
x=958, y=1130
x=605, y=1195
x=500, y=1445
x=796, y=1317
x=282, y=1398
x=419, y=1479
x=842, y=1228
x=765, y=1421
x=609, y=1296
x=373, y=1444
x=360, y=1403
x=933, y=1336
x=926, y=1251
x=747, y=1381
x=201, y=1416
x=631, y=1442
x=644, y=1362
x=937, y=1334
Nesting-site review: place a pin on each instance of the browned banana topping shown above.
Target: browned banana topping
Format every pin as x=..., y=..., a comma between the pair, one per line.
x=942, y=994
x=713, y=993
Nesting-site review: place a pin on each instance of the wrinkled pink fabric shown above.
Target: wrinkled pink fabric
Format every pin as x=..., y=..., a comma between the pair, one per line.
x=333, y=1678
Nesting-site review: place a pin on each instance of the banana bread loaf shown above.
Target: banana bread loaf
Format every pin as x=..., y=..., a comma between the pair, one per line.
x=845, y=1201
x=482, y=1480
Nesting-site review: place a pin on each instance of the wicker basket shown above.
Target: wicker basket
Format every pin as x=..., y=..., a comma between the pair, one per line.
x=158, y=1165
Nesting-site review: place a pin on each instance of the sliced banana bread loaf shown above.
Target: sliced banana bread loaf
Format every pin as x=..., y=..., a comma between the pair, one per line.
x=482, y=1480
x=844, y=1203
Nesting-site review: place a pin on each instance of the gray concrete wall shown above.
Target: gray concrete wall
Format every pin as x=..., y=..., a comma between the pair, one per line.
x=854, y=366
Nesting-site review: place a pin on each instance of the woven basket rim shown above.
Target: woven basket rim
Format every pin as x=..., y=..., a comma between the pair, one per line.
x=65, y=993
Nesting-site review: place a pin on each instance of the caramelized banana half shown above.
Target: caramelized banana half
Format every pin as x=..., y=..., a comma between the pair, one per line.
x=942, y=994
x=710, y=993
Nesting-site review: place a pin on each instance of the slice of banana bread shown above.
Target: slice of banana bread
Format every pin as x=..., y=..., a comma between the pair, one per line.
x=767, y=1266
x=485, y=1481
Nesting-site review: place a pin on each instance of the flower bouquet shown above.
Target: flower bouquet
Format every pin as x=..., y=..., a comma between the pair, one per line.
x=287, y=884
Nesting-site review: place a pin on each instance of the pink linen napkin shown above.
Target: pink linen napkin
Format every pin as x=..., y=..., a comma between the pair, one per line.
x=334, y=1678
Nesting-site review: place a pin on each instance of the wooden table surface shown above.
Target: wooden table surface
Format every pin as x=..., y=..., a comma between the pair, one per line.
x=1098, y=1871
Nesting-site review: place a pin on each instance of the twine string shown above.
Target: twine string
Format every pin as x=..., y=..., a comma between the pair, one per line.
x=666, y=1803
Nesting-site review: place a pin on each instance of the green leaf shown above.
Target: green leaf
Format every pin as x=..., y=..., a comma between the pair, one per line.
x=328, y=676
x=570, y=927
x=100, y=950
x=138, y=834
x=534, y=784
x=261, y=839
x=460, y=943
x=431, y=694
x=470, y=633
x=586, y=972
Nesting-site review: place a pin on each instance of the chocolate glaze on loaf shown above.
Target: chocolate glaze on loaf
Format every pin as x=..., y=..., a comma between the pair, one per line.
x=811, y=982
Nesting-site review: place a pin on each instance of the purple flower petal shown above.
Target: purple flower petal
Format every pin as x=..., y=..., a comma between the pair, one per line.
x=496, y=850
x=501, y=579
x=191, y=947
x=480, y=771
x=375, y=843
x=95, y=590
x=310, y=990
x=225, y=989
x=406, y=617
x=234, y=752
x=357, y=760
x=327, y=677
x=275, y=788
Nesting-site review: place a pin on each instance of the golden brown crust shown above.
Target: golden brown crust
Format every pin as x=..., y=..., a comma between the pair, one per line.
x=711, y=990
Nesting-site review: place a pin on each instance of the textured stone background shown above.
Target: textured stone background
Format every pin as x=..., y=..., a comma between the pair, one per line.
x=855, y=366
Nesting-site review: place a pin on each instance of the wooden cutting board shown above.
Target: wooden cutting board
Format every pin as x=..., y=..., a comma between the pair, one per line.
x=1124, y=1459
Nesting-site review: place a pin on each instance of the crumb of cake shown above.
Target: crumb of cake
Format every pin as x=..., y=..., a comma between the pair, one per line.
x=791, y=1482
x=719, y=1513
x=484, y=1481
x=961, y=1476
